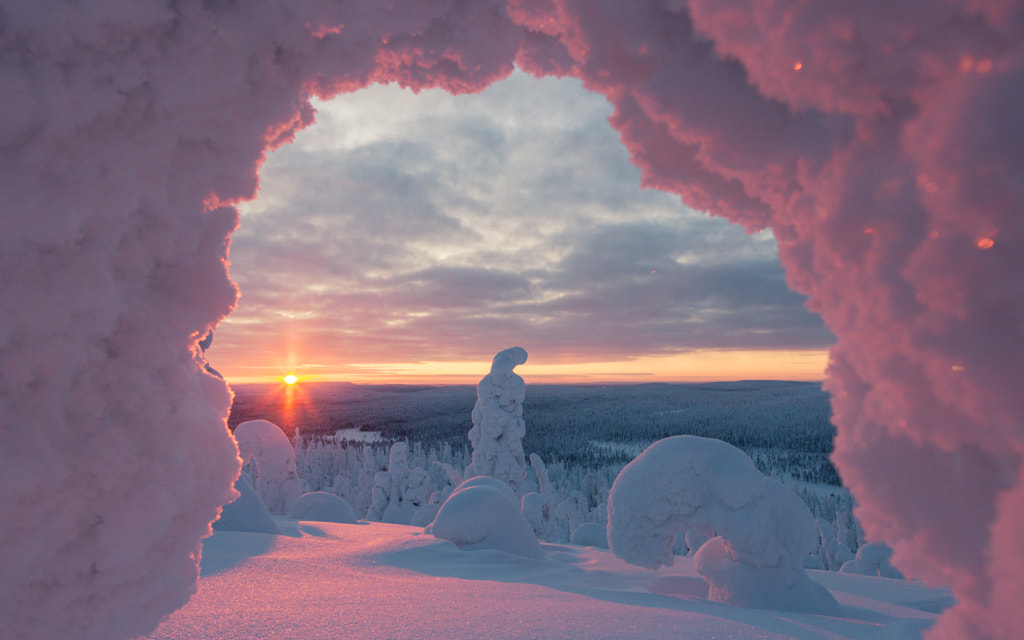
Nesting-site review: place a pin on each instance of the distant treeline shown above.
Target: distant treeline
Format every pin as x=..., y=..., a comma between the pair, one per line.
x=787, y=424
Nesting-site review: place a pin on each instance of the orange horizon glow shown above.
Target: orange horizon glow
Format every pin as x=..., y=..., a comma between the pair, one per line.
x=694, y=366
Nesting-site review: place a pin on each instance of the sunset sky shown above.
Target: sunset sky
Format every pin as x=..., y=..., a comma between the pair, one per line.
x=409, y=237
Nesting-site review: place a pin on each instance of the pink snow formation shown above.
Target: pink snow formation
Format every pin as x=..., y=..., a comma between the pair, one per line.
x=881, y=142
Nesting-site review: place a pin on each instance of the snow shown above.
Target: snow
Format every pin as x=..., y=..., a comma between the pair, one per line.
x=376, y=580
x=498, y=426
x=590, y=534
x=245, y=513
x=886, y=161
x=320, y=506
x=268, y=457
x=872, y=560
x=484, y=517
x=399, y=492
x=764, y=530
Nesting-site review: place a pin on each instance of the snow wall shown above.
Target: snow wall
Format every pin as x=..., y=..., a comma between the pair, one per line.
x=880, y=141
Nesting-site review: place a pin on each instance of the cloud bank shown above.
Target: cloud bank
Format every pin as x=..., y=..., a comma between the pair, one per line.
x=432, y=227
x=879, y=141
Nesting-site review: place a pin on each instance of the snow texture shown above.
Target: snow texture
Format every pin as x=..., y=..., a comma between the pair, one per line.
x=399, y=492
x=872, y=560
x=487, y=481
x=332, y=574
x=590, y=534
x=425, y=515
x=246, y=512
x=269, y=460
x=878, y=140
x=498, y=426
x=764, y=530
x=482, y=516
x=321, y=506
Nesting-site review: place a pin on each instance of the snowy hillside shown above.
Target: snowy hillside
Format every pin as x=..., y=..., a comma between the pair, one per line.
x=383, y=581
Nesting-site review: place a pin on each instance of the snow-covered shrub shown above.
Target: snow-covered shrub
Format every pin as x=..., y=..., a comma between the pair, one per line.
x=487, y=481
x=425, y=514
x=764, y=530
x=320, y=506
x=536, y=512
x=832, y=551
x=498, y=426
x=872, y=560
x=400, y=491
x=246, y=513
x=590, y=534
x=482, y=516
x=269, y=460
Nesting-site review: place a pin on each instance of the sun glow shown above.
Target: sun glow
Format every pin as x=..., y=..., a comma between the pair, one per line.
x=291, y=378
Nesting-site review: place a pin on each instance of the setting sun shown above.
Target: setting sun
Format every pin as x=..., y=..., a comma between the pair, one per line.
x=291, y=378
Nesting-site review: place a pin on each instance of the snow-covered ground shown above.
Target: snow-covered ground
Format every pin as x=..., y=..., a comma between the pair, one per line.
x=385, y=581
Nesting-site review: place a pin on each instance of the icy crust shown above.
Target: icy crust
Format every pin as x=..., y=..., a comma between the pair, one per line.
x=246, y=513
x=764, y=530
x=271, y=463
x=321, y=506
x=482, y=516
x=498, y=426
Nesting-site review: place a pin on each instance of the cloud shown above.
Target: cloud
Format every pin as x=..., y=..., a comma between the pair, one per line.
x=457, y=223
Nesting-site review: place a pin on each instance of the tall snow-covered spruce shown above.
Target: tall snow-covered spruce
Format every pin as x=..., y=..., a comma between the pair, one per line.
x=498, y=426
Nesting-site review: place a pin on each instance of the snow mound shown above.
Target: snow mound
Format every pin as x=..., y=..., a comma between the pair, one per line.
x=321, y=506
x=487, y=481
x=590, y=534
x=271, y=463
x=425, y=515
x=483, y=517
x=872, y=560
x=764, y=530
x=246, y=513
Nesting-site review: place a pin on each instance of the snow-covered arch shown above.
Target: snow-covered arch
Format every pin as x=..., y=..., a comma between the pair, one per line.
x=764, y=530
x=880, y=141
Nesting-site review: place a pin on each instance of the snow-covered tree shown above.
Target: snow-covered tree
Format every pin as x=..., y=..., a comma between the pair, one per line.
x=269, y=460
x=400, y=491
x=498, y=426
x=872, y=560
x=764, y=530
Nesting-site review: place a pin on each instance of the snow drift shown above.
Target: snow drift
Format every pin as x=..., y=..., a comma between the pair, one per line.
x=880, y=142
x=763, y=529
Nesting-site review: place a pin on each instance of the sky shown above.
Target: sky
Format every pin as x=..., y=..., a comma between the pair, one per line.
x=408, y=237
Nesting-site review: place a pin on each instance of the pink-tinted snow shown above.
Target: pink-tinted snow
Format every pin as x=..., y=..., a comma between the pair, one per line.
x=881, y=141
x=375, y=580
